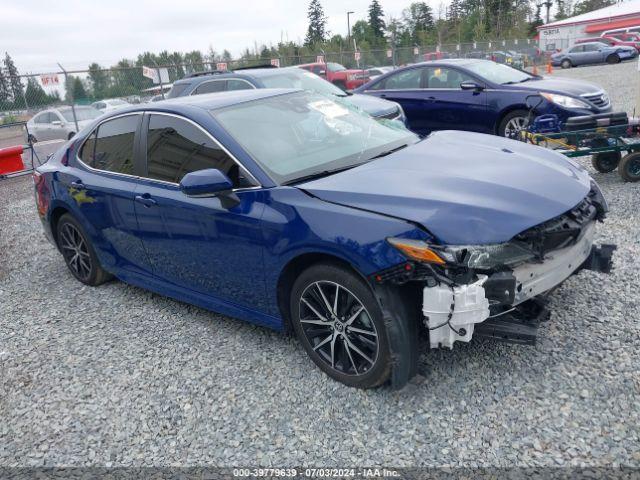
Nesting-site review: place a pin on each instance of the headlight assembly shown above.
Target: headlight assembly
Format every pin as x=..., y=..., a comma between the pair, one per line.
x=564, y=101
x=480, y=257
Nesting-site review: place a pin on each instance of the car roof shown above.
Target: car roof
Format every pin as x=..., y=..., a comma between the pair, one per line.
x=212, y=101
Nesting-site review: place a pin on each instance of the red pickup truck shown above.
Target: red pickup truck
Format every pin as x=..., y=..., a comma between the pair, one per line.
x=340, y=76
x=612, y=40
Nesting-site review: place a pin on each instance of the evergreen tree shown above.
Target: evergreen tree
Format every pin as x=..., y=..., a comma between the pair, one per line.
x=586, y=6
x=5, y=93
x=36, y=94
x=317, y=30
x=14, y=82
x=418, y=18
x=99, y=80
x=376, y=19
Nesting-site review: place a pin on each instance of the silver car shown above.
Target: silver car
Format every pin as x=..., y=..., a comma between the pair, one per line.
x=59, y=124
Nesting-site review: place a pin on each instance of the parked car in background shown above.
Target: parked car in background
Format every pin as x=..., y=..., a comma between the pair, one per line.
x=346, y=79
x=286, y=209
x=59, y=123
x=610, y=40
x=288, y=77
x=624, y=36
x=481, y=96
x=110, y=104
x=510, y=58
x=592, y=53
x=375, y=72
x=428, y=56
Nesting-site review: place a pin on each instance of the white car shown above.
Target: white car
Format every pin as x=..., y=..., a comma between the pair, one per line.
x=59, y=124
x=110, y=104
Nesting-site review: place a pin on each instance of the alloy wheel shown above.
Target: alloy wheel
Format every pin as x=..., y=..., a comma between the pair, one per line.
x=514, y=126
x=75, y=251
x=339, y=328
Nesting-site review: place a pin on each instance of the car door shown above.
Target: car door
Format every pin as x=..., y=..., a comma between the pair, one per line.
x=593, y=53
x=58, y=130
x=405, y=87
x=451, y=107
x=41, y=127
x=207, y=245
x=102, y=187
x=577, y=55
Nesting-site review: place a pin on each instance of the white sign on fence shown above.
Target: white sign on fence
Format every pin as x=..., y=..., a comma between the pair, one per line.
x=356, y=56
x=275, y=62
x=458, y=47
x=152, y=73
x=389, y=53
x=320, y=59
x=475, y=45
x=49, y=79
x=416, y=51
x=515, y=42
x=221, y=66
x=504, y=43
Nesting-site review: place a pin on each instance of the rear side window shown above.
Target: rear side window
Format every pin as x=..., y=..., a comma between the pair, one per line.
x=210, y=87
x=577, y=49
x=176, y=147
x=177, y=90
x=43, y=118
x=235, y=84
x=406, y=80
x=110, y=148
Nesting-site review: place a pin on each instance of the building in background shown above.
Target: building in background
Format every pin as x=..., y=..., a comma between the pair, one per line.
x=621, y=17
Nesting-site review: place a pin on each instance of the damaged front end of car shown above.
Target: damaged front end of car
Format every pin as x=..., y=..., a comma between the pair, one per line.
x=499, y=290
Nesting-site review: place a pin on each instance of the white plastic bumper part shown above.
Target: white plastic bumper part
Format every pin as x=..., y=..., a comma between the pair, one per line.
x=470, y=307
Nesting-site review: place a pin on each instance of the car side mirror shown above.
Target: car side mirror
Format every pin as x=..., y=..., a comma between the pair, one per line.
x=205, y=183
x=468, y=85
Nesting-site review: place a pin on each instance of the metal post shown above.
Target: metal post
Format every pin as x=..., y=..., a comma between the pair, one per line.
x=73, y=108
x=348, y=28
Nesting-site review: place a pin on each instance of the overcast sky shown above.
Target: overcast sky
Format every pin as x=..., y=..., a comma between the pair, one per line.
x=40, y=33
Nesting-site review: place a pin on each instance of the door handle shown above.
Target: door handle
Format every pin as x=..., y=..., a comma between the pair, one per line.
x=430, y=99
x=146, y=200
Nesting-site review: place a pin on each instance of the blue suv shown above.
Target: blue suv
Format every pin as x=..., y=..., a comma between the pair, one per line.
x=481, y=96
x=289, y=77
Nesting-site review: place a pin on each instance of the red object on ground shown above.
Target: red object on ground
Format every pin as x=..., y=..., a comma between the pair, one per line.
x=11, y=160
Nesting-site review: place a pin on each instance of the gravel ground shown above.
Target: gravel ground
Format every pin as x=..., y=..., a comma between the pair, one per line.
x=117, y=376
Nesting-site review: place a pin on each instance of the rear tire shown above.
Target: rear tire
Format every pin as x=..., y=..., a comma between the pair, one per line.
x=613, y=58
x=566, y=63
x=605, y=162
x=629, y=167
x=78, y=252
x=347, y=339
x=513, y=123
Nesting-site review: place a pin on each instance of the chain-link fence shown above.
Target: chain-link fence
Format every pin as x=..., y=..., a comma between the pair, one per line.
x=23, y=96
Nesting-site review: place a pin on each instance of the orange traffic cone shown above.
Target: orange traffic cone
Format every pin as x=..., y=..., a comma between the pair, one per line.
x=549, y=68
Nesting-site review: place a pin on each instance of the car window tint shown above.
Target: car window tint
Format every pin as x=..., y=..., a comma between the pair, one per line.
x=440, y=77
x=405, y=80
x=210, y=87
x=176, y=147
x=88, y=149
x=577, y=49
x=114, y=145
x=177, y=90
x=591, y=48
x=235, y=84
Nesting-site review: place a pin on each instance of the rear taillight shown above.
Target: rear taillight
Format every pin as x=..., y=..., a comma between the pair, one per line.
x=42, y=197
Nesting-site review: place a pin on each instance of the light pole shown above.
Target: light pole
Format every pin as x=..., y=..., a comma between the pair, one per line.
x=348, y=28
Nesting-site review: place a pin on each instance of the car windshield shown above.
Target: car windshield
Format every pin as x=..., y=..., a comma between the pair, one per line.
x=335, y=67
x=302, y=134
x=301, y=79
x=82, y=114
x=498, y=73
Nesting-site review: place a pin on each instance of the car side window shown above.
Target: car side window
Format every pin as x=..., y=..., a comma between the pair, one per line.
x=112, y=150
x=442, y=77
x=406, y=80
x=176, y=147
x=209, y=87
x=577, y=49
x=42, y=118
x=236, y=84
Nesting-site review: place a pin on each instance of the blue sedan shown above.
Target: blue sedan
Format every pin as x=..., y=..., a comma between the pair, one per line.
x=287, y=209
x=481, y=96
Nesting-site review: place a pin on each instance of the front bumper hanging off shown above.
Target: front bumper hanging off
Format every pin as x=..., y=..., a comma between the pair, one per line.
x=507, y=305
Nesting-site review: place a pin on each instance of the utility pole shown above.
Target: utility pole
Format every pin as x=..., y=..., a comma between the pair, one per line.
x=348, y=28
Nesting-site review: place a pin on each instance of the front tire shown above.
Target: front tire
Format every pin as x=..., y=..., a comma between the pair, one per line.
x=513, y=123
x=566, y=63
x=629, y=167
x=340, y=324
x=78, y=252
x=613, y=58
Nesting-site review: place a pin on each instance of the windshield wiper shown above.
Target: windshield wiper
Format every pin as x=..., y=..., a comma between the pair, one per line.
x=388, y=152
x=513, y=82
x=323, y=173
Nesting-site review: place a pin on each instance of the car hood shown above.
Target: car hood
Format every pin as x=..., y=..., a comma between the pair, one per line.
x=465, y=188
x=374, y=106
x=558, y=85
